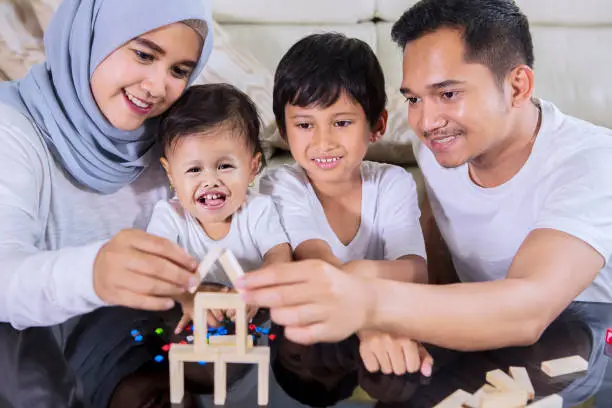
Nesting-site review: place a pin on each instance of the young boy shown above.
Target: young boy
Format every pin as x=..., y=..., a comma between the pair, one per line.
x=329, y=102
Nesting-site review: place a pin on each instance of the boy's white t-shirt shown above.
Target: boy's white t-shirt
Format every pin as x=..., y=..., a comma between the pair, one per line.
x=255, y=229
x=566, y=185
x=390, y=213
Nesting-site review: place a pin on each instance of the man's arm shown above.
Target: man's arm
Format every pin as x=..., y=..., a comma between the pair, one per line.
x=550, y=269
x=409, y=268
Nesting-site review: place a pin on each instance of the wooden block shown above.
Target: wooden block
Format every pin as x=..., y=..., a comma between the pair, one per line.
x=177, y=381
x=506, y=399
x=521, y=378
x=475, y=399
x=263, y=388
x=188, y=353
x=563, y=366
x=552, y=401
x=220, y=386
x=230, y=264
x=502, y=381
x=255, y=355
x=207, y=263
x=227, y=340
x=207, y=300
x=455, y=400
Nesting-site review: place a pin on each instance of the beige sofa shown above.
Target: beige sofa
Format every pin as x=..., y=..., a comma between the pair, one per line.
x=572, y=42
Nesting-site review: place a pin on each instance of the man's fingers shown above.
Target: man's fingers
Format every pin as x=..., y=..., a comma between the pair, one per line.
x=291, y=295
x=162, y=247
x=281, y=274
x=299, y=316
x=410, y=355
x=427, y=361
x=307, y=335
x=185, y=319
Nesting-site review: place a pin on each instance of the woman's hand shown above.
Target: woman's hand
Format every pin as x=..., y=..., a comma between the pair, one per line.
x=142, y=271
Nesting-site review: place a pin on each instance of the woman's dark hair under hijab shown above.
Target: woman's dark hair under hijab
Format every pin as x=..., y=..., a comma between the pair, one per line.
x=203, y=108
x=495, y=32
x=319, y=67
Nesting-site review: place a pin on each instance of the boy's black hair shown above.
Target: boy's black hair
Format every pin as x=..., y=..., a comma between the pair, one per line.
x=319, y=67
x=495, y=32
x=206, y=107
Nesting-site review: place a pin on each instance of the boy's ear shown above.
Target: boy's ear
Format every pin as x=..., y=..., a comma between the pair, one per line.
x=166, y=167
x=255, y=167
x=380, y=128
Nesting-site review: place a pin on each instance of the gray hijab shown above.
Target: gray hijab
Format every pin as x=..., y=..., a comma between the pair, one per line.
x=56, y=96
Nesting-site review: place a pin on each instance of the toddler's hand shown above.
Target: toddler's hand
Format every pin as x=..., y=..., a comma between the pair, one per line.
x=214, y=317
x=383, y=352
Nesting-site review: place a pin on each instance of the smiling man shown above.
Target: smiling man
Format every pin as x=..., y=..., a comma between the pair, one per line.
x=519, y=191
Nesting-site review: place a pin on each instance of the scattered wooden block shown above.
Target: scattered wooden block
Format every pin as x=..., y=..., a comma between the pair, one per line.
x=502, y=381
x=609, y=336
x=475, y=400
x=521, y=378
x=563, y=366
x=508, y=399
x=552, y=401
x=455, y=400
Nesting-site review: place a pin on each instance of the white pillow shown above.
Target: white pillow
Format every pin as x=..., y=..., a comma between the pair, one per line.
x=20, y=47
x=240, y=68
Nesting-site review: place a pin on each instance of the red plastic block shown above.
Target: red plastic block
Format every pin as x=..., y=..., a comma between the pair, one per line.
x=609, y=336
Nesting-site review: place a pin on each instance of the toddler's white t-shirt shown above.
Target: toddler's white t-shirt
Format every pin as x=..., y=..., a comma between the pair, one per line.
x=255, y=229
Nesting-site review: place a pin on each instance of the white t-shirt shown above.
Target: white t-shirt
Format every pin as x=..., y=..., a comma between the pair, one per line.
x=255, y=229
x=390, y=212
x=565, y=185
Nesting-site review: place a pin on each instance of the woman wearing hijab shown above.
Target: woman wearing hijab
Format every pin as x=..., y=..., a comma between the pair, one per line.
x=79, y=172
x=78, y=166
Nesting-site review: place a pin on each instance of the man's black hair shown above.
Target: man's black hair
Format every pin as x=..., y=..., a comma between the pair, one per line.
x=495, y=32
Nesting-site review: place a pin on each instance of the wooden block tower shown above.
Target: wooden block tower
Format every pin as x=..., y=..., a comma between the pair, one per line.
x=225, y=349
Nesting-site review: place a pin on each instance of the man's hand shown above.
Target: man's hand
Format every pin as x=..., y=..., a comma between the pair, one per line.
x=142, y=271
x=316, y=302
x=383, y=352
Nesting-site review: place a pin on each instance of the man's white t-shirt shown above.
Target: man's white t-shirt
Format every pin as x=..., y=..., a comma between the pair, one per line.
x=390, y=213
x=255, y=229
x=566, y=185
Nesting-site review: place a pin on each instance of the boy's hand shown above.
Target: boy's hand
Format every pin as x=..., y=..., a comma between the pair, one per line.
x=383, y=352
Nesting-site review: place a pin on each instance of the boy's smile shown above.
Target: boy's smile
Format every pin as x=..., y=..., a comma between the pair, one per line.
x=329, y=143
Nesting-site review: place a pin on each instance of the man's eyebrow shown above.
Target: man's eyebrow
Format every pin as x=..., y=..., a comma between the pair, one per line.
x=437, y=85
x=150, y=44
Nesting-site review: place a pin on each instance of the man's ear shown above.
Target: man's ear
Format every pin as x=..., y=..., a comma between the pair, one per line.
x=166, y=167
x=521, y=82
x=255, y=167
x=380, y=128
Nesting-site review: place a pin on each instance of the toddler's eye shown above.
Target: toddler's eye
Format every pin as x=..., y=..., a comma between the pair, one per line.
x=343, y=123
x=303, y=125
x=225, y=166
x=194, y=170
